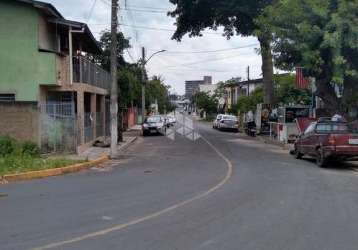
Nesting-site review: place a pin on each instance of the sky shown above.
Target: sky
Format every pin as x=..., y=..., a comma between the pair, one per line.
x=146, y=24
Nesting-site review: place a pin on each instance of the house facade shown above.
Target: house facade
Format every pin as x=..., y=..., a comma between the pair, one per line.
x=236, y=88
x=51, y=91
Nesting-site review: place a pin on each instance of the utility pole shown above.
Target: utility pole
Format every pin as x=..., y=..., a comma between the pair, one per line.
x=143, y=83
x=114, y=86
x=248, y=80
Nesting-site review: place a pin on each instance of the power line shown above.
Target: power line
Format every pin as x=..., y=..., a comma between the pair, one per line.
x=211, y=51
x=145, y=7
x=91, y=11
x=156, y=29
x=141, y=9
x=146, y=11
x=204, y=61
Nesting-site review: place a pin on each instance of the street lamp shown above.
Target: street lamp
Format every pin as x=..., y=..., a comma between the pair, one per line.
x=144, y=62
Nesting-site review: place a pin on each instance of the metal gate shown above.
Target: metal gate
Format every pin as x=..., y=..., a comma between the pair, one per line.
x=59, y=130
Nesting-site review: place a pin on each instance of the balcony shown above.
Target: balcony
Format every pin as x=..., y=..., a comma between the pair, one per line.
x=85, y=71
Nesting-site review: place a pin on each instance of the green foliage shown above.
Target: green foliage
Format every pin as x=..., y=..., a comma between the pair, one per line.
x=12, y=163
x=129, y=80
x=320, y=36
x=205, y=102
x=249, y=103
x=287, y=93
x=156, y=90
x=236, y=16
x=104, y=59
x=17, y=158
x=31, y=149
x=7, y=145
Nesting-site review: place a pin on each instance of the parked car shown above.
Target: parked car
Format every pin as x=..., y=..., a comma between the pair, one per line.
x=217, y=120
x=228, y=122
x=154, y=124
x=327, y=140
x=171, y=120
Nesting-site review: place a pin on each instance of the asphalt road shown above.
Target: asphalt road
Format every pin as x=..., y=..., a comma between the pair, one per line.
x=179, y=193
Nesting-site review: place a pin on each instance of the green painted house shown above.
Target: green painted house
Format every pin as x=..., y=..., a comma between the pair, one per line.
x=51, y=91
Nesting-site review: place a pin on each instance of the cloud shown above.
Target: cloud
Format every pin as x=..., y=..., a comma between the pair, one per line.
x=174, y=67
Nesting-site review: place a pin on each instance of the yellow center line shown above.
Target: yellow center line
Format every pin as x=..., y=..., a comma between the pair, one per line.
x=152, y=215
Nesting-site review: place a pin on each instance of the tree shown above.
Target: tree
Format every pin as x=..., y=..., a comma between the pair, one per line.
x=321, y=36
x=287, y=93
x=105, y=44
x=237, y=17
x=205, y=102
x=249, y=103
x=157, y=91
x=130, y=85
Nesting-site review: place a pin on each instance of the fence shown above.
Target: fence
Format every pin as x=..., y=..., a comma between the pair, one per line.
x=59, y=131
x=84, y=71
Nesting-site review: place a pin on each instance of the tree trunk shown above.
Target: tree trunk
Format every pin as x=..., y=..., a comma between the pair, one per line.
x=267, y=71
x=328, y=94
x=350, y=95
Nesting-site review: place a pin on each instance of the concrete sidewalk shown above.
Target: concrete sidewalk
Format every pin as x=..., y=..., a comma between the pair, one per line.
x=94, y=152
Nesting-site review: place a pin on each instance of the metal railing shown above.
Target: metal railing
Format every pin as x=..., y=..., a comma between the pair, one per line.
x=85, y=71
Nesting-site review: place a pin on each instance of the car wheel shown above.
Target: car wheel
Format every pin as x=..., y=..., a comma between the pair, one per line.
x=145, y=133
x=297, y=153
x=320, y=159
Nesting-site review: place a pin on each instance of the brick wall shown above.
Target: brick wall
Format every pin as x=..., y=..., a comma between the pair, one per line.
x=20, y=120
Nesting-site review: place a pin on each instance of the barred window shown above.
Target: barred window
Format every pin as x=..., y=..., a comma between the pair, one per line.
x=7, y=97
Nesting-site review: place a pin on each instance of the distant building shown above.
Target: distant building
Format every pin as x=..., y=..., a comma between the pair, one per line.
x=208, y=88
x=237, y=88
x=192, y=87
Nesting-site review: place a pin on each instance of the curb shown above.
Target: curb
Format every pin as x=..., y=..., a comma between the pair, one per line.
x=128, y=143
x=52, y=172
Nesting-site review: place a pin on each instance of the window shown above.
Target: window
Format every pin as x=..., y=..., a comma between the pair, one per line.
x=332, y=128
x=7, y=97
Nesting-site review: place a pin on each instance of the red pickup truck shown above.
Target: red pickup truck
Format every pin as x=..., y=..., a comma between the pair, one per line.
x=327, y=140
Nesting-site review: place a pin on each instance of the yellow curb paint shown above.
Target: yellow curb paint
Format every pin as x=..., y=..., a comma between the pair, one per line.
x=152, y=215
x=54, y=171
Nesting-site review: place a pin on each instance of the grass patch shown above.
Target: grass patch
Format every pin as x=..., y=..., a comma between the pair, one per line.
x=14, y=164
x=18, y=157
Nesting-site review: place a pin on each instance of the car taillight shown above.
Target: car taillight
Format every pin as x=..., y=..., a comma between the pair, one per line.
x=332, y=140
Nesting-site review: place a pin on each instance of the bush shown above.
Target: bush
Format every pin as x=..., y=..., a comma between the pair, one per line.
x=7, y=145
x=30, y=148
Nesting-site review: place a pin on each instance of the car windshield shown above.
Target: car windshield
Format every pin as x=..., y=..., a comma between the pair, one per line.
x=154, y=119
x=333, y=128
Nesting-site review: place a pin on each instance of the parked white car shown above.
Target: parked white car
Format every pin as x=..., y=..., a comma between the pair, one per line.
x=228, y=122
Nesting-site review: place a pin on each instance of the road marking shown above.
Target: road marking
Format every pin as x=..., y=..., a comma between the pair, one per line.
x=152, y=215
